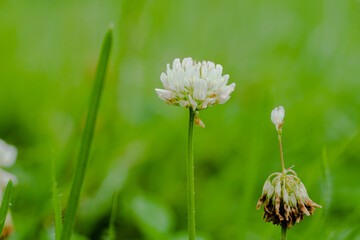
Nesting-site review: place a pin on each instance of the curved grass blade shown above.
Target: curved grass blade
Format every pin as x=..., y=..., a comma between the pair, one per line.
x=56, y=202
x=114, y=212
x=87, y=137
x=5, y=205
x=327, y=184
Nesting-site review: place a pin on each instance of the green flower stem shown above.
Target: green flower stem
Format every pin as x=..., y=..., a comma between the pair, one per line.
x=190, y=178
x=281, y=154
x=283, y=232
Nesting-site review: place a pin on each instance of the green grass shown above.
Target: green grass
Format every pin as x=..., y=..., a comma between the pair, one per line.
x=87, y=138
x=56, y=203
x=113, y=216
x=4, y=208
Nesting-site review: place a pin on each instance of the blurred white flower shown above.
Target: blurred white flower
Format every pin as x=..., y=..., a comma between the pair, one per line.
x=277, y=117
x=194, y=84
x=8, y=155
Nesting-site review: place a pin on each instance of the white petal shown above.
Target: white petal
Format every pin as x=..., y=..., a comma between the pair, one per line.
x=225, y=96
x=164, y=80
x=293, y=199
x=176, y=64
x=5, y=177
x=184, y=103
x=193, y=103
x=210, y=65
x=270, y=191
x=285, y=196
x=187, y=62
x=8, y=154
x=266, y=187
x=303, y=191
x=219, y=69
x=208, y=102
x=179, y=80
x=226, y=79
x=200, y=90
x=165, y=95
x=204, y=70
x=278, y=188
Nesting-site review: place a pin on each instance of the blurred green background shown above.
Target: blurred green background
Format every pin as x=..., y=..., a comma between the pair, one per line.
x=304, y=55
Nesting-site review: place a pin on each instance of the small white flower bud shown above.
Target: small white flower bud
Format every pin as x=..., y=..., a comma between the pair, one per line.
x=277, y=117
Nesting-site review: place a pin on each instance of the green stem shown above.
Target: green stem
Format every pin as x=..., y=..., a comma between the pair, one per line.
x=113, y=215
x=283, y=232
x=190, y=178
x=281, y=154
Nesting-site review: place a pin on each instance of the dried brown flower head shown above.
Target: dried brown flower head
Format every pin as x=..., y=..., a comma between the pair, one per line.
x=285, y=199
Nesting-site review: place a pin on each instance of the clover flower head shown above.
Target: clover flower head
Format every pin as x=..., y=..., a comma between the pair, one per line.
x=277, y=117
x=198, y=85
x=285, y=199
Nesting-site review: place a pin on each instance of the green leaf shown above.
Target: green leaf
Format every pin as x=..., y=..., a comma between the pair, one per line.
x=56, y=203
x=5, y=205
x=87, y=137
x=114, y=212
x=155, y=219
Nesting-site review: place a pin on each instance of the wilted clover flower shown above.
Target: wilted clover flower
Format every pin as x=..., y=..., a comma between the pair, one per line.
x=285, y=199
x=284, y=196
x=194, y=84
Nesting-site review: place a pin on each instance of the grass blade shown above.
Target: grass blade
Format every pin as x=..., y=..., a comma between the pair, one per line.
x=114, y=212
x=56, y=203
x=5, y=205
x=87, y=138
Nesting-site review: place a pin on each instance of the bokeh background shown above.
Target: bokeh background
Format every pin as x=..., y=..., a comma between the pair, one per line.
x=304, y=55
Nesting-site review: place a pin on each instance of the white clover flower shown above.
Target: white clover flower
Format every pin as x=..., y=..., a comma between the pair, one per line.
x=194, y=84
x=277, y=117
x=8, y=155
